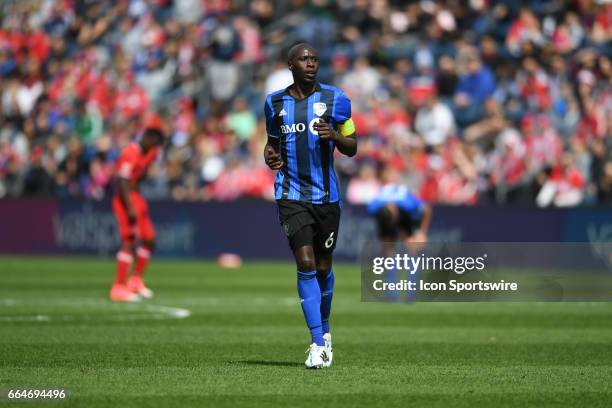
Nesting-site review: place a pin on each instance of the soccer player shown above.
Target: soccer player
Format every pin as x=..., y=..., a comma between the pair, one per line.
x=132, y=213
x=400, y=215
x=305, y=123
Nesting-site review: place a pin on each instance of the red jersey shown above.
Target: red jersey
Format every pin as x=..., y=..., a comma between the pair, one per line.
x=133, y=162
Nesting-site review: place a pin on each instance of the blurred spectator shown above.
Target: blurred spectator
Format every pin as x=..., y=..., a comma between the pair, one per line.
x=242, y=121
x=38, y=182
x=524, y=31
x=447, y=79
x=434, y=121
x=365, y=187
x=156, y=79
x=279, y=78
x=474, y=87
x=224, y=42
x=88, y=123
x=362, y=81
x=131, y=100
x=564, y=187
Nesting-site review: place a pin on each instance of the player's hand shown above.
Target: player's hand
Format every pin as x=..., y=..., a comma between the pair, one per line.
x=131, y=214
x=419, y=236
x=325, y=132
x=273, y=159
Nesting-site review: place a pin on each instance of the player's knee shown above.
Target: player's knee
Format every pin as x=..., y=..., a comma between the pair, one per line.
x=149, y=244
x=385, y=215
x=385, y=221
x=127, y=246
x=305, y=263
x=323, y=267
x=305, y=259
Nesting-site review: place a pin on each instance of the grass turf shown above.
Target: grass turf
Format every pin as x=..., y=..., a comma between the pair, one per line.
x=244, y=341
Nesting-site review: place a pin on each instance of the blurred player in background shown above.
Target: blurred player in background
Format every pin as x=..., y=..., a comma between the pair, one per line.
x=132, y=213
x=400, y=215
x=305, y=123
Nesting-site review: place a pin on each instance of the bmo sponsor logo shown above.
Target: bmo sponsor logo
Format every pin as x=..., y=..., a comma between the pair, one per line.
x=293, y=128
x=299, y=127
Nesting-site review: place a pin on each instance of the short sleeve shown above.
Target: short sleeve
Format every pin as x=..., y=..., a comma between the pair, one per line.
x=271, y=127
x=342, y=108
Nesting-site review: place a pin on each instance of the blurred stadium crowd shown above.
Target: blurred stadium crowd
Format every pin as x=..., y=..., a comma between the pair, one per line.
x=469, y=102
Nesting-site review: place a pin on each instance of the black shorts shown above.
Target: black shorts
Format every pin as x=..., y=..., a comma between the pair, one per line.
x=307, y=224
x=404, y=224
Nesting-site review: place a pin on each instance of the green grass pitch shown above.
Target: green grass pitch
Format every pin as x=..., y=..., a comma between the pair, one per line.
x=243, y=343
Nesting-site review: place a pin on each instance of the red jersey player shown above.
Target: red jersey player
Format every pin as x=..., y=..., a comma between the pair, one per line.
x=132, y=213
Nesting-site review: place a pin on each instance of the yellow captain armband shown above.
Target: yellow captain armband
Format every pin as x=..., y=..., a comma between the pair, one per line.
x=347, y=128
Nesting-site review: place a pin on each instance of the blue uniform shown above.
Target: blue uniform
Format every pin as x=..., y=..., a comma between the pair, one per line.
x=400, y=196
x=308, y=171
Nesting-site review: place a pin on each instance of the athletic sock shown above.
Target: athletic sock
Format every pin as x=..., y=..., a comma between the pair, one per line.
x=124, y=262
x=392, y=277
x=326, y=285
x=308, y=289
x=412, y=294
x=142, y=260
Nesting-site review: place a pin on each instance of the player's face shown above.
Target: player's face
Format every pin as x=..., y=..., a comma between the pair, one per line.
x=305, y=65
x=153, y=140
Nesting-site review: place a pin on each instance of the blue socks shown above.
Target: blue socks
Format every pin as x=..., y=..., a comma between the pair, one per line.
x=316, y=294
x=392, y=277
x=327, y=291
x=308, y=289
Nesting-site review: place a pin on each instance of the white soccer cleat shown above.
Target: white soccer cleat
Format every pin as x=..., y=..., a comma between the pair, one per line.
x=145, y=293
x=137, y=286
x=328, y=346
x=317, y=356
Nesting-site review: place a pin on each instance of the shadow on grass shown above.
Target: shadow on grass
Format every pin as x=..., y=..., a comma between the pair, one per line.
x=269, y=363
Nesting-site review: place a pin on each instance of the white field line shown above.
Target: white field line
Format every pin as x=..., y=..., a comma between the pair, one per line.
x=147, y=312
x=184, y=302
x=249, y=301
x=36, y=318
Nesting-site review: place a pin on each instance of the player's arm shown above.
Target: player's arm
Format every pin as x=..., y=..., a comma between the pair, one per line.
x=345, y=140
x=125, y=171
x=272, y=155
x=421, y=234
x=124, y=193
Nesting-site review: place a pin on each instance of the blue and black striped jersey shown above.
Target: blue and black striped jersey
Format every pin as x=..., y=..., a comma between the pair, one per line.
x=402, y=197
x=308, y=171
